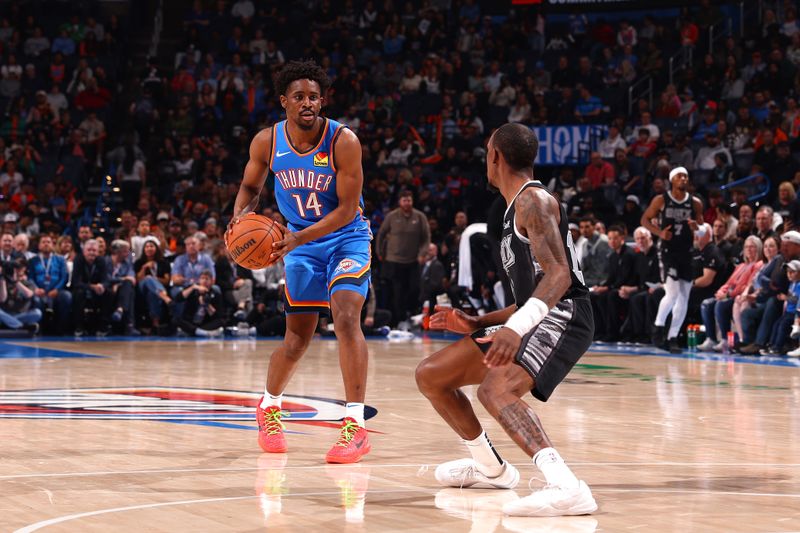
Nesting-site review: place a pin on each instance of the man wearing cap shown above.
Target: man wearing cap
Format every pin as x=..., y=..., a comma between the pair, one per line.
x=760, y=318
x=679, y=214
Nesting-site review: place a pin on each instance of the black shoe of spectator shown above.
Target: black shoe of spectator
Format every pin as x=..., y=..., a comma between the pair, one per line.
x=751, y=349
x=130, y=331
x=674, y=346
x=658, y=336
x=240, y=315
x=79, y=333
x=33, y=329
x=103, y=332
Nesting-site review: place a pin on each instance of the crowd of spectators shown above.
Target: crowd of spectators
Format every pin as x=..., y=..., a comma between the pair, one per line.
x=423, y=84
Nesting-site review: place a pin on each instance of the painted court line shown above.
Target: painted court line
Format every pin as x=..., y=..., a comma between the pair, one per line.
x=310, y=467
x=61, y=519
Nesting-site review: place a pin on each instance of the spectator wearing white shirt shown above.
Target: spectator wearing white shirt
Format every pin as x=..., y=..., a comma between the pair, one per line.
x=609, y=146
x=243, y=9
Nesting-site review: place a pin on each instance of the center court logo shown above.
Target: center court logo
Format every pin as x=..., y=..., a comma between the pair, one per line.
x=161, y=403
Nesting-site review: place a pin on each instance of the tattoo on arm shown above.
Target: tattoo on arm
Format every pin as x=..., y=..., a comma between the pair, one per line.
x=538, y=214
x=522, y=425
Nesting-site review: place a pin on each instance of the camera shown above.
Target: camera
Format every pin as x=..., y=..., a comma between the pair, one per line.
x=7, y=270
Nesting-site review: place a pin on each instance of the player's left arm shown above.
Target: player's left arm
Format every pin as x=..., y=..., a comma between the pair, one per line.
x=538, y=216
x=349, y=183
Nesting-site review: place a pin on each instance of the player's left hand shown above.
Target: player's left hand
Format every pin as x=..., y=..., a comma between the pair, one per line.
x=505, y=345
x=693, y=224
x=284, y=246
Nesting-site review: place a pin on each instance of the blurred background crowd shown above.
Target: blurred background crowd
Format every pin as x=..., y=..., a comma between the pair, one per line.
x=124, y=131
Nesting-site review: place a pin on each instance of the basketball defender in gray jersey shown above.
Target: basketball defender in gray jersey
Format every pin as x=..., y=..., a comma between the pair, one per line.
x=529, y=346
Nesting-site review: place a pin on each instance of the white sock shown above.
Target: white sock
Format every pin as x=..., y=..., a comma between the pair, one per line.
x=269, y=400
x=555, y=470
x=355, y=411
x=489, y=462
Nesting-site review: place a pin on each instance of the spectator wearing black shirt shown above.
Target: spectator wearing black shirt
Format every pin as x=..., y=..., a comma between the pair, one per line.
x=711, y=268
x=606, y=300
x=764, y=220
x=90, y=288
x=787, y=205
x=202, y=310
x=152, y=278
x=646, y=293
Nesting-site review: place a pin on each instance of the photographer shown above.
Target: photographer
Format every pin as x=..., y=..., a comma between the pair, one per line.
x=16, y=297
x=202, y=311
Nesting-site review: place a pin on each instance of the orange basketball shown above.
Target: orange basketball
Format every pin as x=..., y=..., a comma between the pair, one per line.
x=250, y=240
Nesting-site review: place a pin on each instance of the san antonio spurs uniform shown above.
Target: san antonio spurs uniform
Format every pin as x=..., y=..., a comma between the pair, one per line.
x=552, y=348
x=676, y=253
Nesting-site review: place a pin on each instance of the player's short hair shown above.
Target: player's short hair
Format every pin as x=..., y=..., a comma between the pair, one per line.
x=301, y=70
x=518, y=144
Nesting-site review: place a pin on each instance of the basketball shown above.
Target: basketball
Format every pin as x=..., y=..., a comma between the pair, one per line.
x=250, y=240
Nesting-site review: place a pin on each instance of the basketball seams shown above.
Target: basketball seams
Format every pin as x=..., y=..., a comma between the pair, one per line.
x=263, y=224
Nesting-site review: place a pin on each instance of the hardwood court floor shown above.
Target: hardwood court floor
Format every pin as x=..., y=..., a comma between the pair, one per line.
x=158, y=436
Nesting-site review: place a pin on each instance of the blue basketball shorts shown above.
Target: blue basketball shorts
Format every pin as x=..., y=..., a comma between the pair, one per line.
x=318, y=269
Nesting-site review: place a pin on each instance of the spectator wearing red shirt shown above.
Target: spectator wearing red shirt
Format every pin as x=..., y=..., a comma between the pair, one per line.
x=643, y=147
x=689, y=33
x=93, y=97
x=598, y=170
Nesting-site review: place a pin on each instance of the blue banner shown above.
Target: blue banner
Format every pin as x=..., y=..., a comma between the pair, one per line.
x=567, y=145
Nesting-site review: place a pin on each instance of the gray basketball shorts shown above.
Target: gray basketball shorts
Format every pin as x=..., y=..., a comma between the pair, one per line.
x=553, y=347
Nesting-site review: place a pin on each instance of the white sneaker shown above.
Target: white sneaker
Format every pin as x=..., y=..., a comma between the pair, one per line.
x=464, y=473
x=554, y=501
x=720, y=346
x=795, y=334
x=706, y=346
x=794, y=353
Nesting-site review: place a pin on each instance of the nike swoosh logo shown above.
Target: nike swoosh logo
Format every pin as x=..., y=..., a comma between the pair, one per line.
x=281, y=154
x=359, y=444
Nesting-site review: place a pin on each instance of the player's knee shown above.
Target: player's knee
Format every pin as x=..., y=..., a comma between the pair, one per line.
x=295, y=346
x=425, y=376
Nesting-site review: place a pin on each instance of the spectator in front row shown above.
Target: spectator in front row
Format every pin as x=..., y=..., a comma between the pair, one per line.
x=718, y=310
x=89, y=289
x=49, y=274
x=186, y=270
x=16, y=296
x=202, y=310
x=780, y=330
x=592, y=251
x=643, y=300
x=122, y=282
x=606, y=299
x=152, y=277
x=757, y=321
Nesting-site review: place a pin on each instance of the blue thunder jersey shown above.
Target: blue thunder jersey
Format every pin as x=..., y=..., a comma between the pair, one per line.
x=305, y=183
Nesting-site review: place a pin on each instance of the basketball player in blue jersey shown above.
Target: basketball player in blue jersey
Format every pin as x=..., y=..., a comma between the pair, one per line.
x=316, y=164
x=527, y=347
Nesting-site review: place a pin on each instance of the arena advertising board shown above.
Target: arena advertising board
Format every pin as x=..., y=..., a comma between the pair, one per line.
x=567, y=145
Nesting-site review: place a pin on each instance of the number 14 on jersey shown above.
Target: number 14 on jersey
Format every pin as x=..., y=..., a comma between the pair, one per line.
x=312, y=204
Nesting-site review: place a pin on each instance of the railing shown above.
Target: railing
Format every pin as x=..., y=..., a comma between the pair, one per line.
x=647, y=92
x=718, y=31
x=680, y=60
x=158, y=26
x=760, y=181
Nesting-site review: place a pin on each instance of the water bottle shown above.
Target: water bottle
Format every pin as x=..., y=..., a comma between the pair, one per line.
x=691, y=337
x=426, y=314
x=731, y=341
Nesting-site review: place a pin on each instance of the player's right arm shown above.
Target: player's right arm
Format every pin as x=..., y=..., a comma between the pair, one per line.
x=650, y=213
x=255, y=174
x=457, y=321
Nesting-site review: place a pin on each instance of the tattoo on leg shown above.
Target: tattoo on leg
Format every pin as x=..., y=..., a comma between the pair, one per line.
x=522, y=425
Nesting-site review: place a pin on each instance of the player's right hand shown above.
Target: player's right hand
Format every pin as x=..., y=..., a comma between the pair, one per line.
x=455, y=320
x=666, y=233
